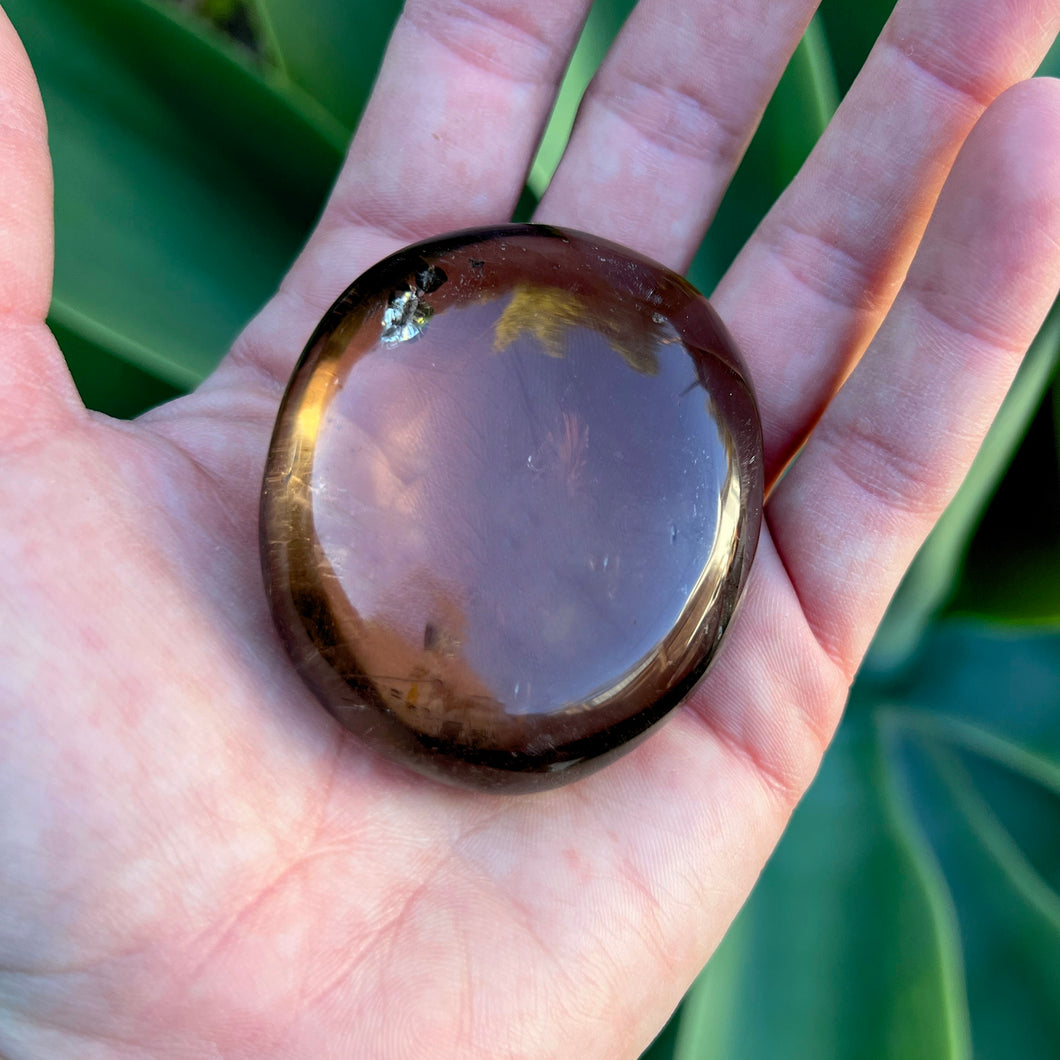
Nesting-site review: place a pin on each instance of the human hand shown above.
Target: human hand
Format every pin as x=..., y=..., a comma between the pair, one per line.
x=195, y=859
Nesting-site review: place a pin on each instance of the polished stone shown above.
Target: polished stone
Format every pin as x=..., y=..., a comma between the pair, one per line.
x=511, y=501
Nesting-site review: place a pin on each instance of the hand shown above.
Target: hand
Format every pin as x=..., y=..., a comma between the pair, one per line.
x=194, y=859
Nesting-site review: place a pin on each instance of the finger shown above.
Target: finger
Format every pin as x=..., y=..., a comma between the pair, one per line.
x=34, y=381
x=25, y=186
x=806, y=294
x=893, y=446
x=445, y=143
x=667, y=119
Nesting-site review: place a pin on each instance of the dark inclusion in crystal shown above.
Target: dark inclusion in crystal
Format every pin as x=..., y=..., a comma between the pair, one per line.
x=511, y=501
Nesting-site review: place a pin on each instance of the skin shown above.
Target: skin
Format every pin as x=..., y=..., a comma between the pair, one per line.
x=195, y=861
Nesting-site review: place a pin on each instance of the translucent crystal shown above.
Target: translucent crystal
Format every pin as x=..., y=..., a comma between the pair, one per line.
x=511, y=501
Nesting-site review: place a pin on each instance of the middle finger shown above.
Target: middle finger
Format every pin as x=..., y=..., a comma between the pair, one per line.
x=667, y=119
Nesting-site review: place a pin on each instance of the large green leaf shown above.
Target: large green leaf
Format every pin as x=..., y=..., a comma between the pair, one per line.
x=1008, y=911
x=184, y=179
x=981, y=730
x=970, y=676
x=331, y=48
x=847, y=947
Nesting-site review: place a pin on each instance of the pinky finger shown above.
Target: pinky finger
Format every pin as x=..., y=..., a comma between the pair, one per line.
x=892, y=448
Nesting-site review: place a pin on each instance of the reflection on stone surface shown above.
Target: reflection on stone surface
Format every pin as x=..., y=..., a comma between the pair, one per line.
x=510, y=503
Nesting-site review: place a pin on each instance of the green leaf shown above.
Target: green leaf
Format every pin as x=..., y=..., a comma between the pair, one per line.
x=110, y=384
x=931, y=579
x=1051, y=63
x=1009, y=916
x=184, y=180
x=847, y=947
x=602, y=26
x=981, y=733
x=797, y=114
x=1021, y=792
x=970, y=677
x=851, y=31
x=331, y=48
x=665, y=1041
x=1055, y=408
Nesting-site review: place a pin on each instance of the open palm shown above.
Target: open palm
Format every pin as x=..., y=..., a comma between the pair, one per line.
x=194, y=859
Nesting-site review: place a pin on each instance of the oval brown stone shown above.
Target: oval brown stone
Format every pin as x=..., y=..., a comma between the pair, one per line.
x=511, y=500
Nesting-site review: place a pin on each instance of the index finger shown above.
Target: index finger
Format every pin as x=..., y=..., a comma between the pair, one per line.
x=445, y=143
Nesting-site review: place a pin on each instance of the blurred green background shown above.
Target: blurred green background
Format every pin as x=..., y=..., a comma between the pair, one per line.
x=913, y=909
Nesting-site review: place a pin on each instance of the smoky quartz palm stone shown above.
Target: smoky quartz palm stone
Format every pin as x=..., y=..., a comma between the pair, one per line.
x=511, y=500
